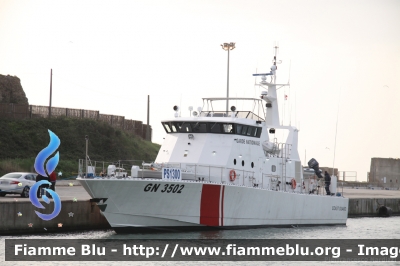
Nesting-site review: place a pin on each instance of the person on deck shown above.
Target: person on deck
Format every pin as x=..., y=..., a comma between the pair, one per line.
x=327, y=183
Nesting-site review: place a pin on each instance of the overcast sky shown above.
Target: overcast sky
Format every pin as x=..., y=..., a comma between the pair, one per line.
x=343, y=57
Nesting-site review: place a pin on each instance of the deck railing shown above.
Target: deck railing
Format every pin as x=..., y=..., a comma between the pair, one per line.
x=208, y=173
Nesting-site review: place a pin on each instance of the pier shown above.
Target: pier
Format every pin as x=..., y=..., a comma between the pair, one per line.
x=17, y=215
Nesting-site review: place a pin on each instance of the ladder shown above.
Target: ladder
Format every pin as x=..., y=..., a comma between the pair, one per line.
x=283, y=164
x=284, y=172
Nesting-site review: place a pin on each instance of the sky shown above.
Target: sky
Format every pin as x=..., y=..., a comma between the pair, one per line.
x=342, y=59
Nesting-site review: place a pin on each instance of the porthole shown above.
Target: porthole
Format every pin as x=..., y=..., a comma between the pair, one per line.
x=234, y=161
x=273, y=168
x=242, y=163
x=252, y=165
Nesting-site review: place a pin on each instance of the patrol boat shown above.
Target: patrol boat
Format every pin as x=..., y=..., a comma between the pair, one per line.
x=222, y=169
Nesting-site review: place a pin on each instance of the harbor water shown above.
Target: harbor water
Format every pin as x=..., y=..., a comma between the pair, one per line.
x=356, y=228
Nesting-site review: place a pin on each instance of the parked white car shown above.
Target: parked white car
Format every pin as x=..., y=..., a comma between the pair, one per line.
x=17, y=183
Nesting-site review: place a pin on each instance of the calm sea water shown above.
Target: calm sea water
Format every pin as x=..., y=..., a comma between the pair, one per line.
x=359, y=228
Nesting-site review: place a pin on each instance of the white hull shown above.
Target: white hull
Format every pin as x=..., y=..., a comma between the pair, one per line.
x=127, y=204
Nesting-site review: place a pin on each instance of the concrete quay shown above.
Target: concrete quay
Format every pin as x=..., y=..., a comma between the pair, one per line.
x=77, y=213
x=17, y=215
x=365, y=202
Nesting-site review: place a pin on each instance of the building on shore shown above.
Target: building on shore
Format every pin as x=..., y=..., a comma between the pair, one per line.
x=385, y=172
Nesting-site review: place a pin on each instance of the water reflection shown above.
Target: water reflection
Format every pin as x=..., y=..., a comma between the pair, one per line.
x=211, y=234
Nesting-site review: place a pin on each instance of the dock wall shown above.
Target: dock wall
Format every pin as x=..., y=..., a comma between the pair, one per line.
x=364, y=207
x=74, y=216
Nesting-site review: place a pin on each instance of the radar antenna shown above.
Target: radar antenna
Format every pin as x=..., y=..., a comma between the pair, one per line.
x=272, y=73
x=275, y=61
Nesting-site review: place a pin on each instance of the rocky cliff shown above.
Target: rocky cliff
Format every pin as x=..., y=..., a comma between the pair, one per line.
x=11, y=90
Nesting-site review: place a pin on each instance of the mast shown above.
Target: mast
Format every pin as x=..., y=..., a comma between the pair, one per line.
x=272, y=117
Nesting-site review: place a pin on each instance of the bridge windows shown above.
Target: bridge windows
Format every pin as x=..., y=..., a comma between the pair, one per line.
x=227, y=128
x=215, y=128
x=244, y=130
x=257, y=132
x=239, y=128
x=186, y=127
x=199, y=127
x=250, y=131
x=174, y=129
x=212, y=127
x=167, y=128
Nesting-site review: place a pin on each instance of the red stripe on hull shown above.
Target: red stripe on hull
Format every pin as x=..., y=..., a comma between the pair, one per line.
x=222, y=206
x=209, y=205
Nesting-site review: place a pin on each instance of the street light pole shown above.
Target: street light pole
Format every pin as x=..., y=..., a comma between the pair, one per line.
x=51, y=90
x=228, y=47
x=86, y=171
x=227, y=88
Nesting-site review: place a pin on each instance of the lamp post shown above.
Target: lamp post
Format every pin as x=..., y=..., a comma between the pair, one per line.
x=86, y=171
x=228, y=47
x=51, y=90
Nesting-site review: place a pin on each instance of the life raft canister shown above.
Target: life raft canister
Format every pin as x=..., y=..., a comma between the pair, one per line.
x=293, y=183
x=232, y=175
